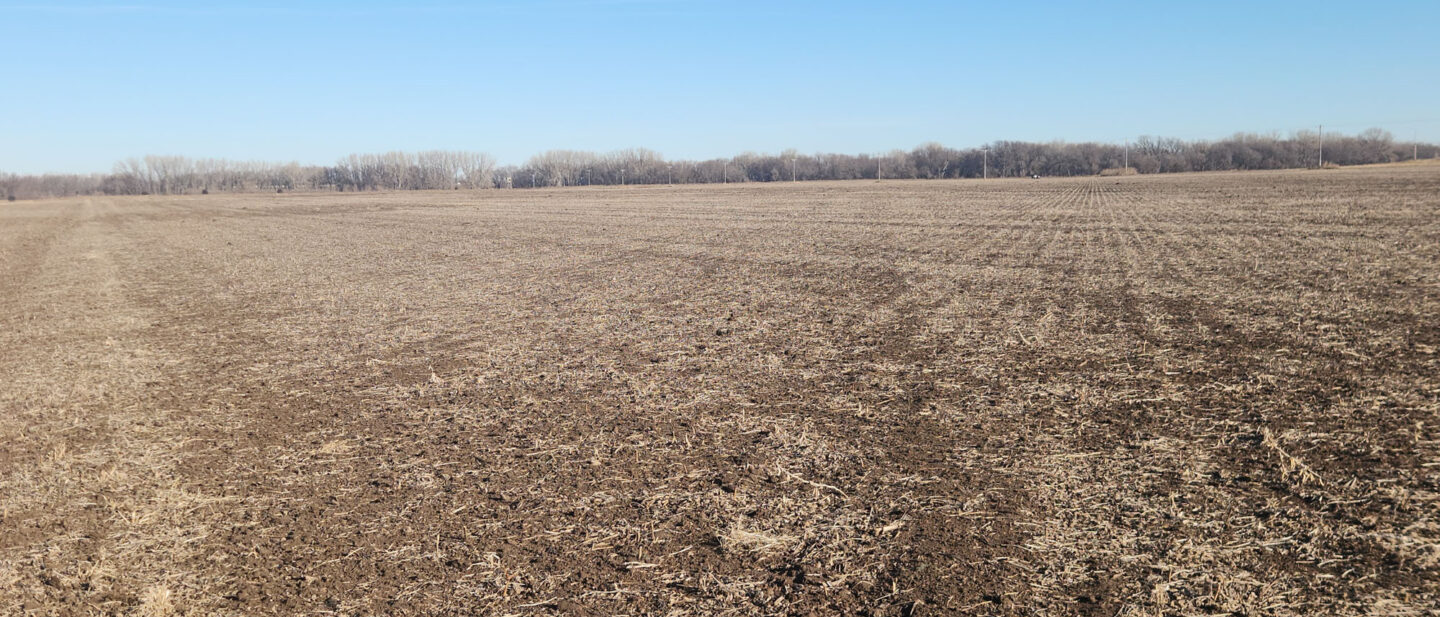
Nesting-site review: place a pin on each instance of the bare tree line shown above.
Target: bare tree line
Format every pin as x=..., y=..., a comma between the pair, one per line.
x=433, y=169
x=165, y=175
x=443, y=169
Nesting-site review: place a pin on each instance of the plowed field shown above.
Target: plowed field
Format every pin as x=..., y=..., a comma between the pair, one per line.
x=1189, y=394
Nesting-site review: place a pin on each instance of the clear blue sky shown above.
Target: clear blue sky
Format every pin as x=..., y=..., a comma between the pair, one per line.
x=87, y=83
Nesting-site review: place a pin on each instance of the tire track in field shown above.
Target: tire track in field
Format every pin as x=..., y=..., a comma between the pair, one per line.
x=94, y=517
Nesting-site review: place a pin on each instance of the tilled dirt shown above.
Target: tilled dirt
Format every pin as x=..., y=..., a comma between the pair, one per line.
x=1197, y=394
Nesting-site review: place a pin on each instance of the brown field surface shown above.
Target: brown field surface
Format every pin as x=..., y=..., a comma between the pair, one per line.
x=1191, y=394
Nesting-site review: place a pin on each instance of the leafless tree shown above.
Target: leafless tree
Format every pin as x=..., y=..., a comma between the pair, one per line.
x=446, y=169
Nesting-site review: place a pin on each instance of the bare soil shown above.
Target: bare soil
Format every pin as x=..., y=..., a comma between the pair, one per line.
x=1195, y=394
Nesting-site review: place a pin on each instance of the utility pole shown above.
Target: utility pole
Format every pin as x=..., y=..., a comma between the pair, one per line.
x=792, y=169
x=985, y=163
x=1127, y=154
